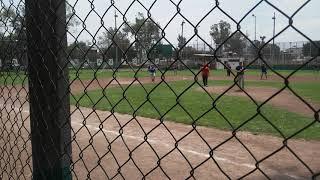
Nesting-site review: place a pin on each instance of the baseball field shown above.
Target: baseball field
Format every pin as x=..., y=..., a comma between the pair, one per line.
x=125, y=126
x=187, y=102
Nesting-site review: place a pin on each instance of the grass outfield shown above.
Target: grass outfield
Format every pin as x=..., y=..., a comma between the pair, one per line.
x=91, y=74
x=308, y=90
x=12, y=78
x=194, y=106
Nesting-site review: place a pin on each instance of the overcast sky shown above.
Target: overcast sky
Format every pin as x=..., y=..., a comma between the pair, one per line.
x=307, y=20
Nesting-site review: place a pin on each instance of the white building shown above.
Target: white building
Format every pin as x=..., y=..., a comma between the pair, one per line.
x=232, y=61
x=221, y=61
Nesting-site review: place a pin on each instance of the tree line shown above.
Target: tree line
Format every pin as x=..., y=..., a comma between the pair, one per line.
x=140, y=39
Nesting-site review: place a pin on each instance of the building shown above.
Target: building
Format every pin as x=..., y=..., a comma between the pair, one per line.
x=295, y=52
x=220, y=62
x=232, y=61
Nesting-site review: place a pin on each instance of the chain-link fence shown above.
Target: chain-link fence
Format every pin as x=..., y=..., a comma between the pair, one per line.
x=158, y=90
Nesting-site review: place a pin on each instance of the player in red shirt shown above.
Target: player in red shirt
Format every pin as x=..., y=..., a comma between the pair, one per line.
x=205, y=74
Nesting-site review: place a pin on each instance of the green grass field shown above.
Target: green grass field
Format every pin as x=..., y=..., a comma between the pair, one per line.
x=308, y=90
x=194, y=102
x=91, y=74
x=12, y=78
x=196, y=107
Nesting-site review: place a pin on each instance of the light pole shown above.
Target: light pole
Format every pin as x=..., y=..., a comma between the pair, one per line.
x=274, y=32
x=290, y=51
x=182, y=28
x=197, y=39
x=197, y=43
x=255, y=26
x=310, y=50
x=182, y=23
x=115, y=30
x=262, y=43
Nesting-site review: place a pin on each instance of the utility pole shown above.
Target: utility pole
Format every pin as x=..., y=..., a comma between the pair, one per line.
x=274, y=32
x=197, y=39
x=262, y=43
x=197, y=44
x=290, y=51
x=310, y=50
x=115, y=30
x=182, y=36
x=182, y=28
x=255, y=26
x=255, y=34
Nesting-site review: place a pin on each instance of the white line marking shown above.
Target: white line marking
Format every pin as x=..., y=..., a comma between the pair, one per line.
x=293, y=176
x=168, y=145
x=164, y=144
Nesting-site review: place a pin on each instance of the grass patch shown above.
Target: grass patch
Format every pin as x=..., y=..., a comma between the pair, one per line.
x=310, y=73
x=92, y=74
x=87, y=74
x=196, y=107
x=308, y=90
x=13, y=78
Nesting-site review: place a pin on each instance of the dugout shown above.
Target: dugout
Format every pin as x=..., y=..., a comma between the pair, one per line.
x=219, y=62
x=202, y=58
x=232, y=61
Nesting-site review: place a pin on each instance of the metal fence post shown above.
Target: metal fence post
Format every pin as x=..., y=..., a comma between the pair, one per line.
x=48, y=89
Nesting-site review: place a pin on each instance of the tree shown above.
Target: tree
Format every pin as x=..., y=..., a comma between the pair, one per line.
x=220, y=32
x=13, y=36
x=115, y=43
x=254, y=48
x=269, y=51
x=236, y=44
x=71, y=19
x=188, y=52
x=309, y=49
x=11, y=17
x=112, y=37
x=181, y=41
x=77, y=50
x=145, y=33
x=7, y=17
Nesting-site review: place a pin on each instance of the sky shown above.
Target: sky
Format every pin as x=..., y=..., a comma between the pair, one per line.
x=93, y=13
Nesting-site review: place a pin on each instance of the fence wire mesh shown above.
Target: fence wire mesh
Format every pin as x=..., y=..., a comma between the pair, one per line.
x=171, y=125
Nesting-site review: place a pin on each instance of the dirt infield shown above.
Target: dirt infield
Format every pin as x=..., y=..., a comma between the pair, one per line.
x=231, y=156
x=107, y=146
x=99, y=151
x=79, y=86
x=285, y=99
x=273, y=77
